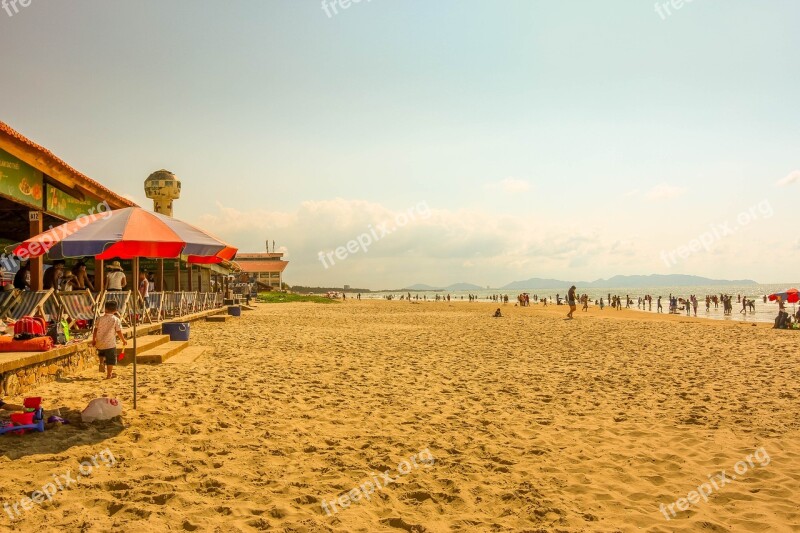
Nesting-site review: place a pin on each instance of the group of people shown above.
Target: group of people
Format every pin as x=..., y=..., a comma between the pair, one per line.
x=784, y=320
x=59, y=278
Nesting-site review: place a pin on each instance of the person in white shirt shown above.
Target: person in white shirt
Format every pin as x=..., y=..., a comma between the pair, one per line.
x=115, y=277
x=107, y=329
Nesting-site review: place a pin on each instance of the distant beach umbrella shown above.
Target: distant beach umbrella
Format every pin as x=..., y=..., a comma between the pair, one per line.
x=789, y=295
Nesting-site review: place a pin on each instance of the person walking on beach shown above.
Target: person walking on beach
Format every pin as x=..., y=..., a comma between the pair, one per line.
x=106, y=331
x=571, y=301
x=694, y=305
x=601, y=304
x=659, y=307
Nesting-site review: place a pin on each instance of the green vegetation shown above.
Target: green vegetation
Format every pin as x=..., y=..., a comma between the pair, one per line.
x=287, y=297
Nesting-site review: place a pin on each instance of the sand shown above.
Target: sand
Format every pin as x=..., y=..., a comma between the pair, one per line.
x=532, y=423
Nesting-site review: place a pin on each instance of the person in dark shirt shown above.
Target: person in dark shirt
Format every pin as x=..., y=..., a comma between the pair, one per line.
x=53, y=275
x=22, y=279
x=571, y=301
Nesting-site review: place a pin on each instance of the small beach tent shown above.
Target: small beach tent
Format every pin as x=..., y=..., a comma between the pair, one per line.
x=128, y=233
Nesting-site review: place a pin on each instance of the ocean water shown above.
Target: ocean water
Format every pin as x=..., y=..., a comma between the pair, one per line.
x=765, y=312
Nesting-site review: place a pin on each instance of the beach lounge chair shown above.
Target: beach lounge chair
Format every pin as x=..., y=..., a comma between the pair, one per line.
x=28, y=303
x=78, y=305
x=167, y=305
x=173, y=305
x=153, y=305
x=6, y=299
x=122, y=298
x=143, y=315
x=189, y=302
x=53, y=309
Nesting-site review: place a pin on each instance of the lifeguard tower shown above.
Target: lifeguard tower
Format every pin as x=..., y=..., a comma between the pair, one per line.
x=162, y=186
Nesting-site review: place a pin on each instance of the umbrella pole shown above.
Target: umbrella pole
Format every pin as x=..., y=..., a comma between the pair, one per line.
x=135, y=305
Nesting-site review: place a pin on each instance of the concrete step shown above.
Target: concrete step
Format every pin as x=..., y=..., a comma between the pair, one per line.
x=189, y=355
x=144, y=343
x=217, y=318
x=162, y=352
x=247, y=307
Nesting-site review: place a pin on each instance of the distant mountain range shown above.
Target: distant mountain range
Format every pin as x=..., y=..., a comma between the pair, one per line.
x=616, y=282
x=453, y=287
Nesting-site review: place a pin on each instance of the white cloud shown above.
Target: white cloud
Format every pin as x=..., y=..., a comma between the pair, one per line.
x=665, y=192
x=793, y=177
x=479, y=246
x=510, y=185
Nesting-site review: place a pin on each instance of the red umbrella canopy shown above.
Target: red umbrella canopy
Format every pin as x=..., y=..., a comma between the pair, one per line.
x=126, y=233
x=789, y=295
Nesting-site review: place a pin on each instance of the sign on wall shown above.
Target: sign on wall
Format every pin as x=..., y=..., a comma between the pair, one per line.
x=67, y=206
x=20, y=181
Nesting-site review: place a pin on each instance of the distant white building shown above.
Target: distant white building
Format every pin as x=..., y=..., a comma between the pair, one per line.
x=265, y=268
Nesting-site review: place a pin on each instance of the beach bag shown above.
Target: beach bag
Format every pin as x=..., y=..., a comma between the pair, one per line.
x=29, y=327
x=101, y=409
x=59, y=332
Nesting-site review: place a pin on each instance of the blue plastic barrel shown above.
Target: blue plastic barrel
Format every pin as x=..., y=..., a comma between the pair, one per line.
x=234, y=310
x=177, y=331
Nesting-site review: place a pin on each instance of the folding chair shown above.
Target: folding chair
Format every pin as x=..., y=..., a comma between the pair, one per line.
x=78, y=305
x=190, y=302
x=6, y=299
x=53, y=309
x=167, y=305
x=173, y=305
x=28, y=303
x=154, y=304
x=122, y=298
x=141, y=308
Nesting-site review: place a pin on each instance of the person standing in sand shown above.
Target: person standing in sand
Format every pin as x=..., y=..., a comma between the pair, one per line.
x=571, y=301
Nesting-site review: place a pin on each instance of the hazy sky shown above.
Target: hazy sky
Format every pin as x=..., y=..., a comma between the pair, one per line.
x=566, y=139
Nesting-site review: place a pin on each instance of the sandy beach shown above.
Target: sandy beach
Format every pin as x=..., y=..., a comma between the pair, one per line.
x=522, y=423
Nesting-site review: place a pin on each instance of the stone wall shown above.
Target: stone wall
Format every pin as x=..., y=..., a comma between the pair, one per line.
x=17, y=381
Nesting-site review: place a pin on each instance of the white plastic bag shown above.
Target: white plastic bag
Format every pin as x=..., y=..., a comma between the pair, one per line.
x=101, y=409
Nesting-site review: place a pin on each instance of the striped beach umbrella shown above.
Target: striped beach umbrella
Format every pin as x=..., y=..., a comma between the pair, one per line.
x=126, y=234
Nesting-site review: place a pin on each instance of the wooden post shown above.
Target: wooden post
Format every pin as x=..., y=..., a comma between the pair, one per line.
x=37, y=263
x=161, y=275
x=189, y=275
x=99, y=275
x=178, y=275
x=135, y=311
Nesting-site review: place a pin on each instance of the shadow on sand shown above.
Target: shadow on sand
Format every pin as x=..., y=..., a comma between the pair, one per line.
x=58, y=438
